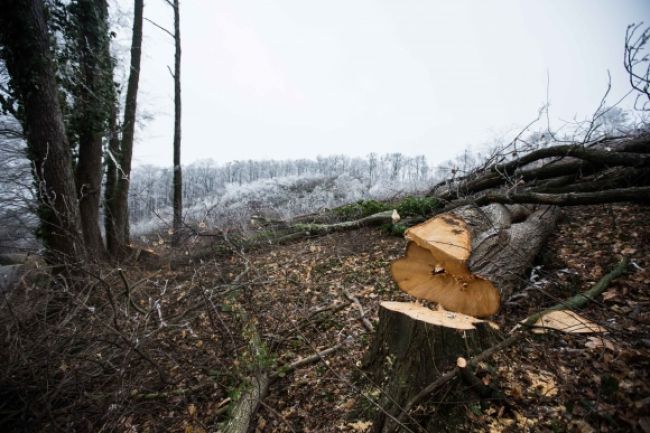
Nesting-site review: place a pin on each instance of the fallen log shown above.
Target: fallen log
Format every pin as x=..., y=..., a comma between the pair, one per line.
x=639, y=194
x=302, y=230
x=255, y=387
x=600, y=156
x=468, y=259
x=617, y=177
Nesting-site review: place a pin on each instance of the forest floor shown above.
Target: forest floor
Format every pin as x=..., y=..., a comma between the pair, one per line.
x=296, y=296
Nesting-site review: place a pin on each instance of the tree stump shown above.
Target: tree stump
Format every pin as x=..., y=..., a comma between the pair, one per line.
x=466, y=260
x=411, y=350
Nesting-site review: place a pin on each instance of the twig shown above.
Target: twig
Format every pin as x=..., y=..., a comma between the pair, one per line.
x=362, y=314
x=305, y=361
x=127, y=289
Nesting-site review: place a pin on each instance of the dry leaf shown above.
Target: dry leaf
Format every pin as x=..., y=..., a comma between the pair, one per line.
x=261, y=423
x=598, y=342
x=347, y=405
x=360, y=426
x=543, y=383
x=566, y=321
x=610, y=294
x=191, y=410
x=581, y=426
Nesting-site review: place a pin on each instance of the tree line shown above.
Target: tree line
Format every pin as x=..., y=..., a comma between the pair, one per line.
x=58, y=84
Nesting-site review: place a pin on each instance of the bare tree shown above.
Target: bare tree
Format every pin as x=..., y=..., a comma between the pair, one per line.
x=178, y=180
x=637, y=61
x=93, y=97
x=117, y=233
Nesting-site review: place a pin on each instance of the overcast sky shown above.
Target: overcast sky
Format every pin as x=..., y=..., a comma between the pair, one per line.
x=296, y=79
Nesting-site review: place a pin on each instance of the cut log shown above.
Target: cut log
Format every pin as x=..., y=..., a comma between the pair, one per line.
x=468, y=259
x=412, y=345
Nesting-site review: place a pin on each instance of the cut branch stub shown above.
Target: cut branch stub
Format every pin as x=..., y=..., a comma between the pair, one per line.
x=424, y=276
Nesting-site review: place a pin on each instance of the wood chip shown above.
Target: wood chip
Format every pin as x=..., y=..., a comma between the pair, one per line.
x=566, y=321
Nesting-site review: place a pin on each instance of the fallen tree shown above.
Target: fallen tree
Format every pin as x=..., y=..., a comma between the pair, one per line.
x=605, y=171
x=473, y=254
x=580, y=159
x=469, y=258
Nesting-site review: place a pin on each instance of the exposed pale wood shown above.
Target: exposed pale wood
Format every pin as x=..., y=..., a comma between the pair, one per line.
x=416, y=275
x=577, y=301
x=470, y=258
x=565, y=321
x=362, y=313
x=443, y=318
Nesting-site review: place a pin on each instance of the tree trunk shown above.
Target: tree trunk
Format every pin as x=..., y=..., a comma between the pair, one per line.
x=26, y=50
x=470, y=258
x=120, y=201
x=112, y=154
x=459, y=259
x=93, y=102
x=406, y=354
x=178, y=181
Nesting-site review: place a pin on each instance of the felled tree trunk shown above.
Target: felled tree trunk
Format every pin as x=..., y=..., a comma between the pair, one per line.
x=466, y=260
x=470, y=258
x=408, y=353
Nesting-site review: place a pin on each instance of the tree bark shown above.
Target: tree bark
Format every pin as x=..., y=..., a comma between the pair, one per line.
x=120, y=200
x=112, y=153
x=470, y=246
x=407, y=353
x=577, y=301
x=411, y=349
x=27, y=52
x=178, y=180
x=633, y=194
x=93, y=102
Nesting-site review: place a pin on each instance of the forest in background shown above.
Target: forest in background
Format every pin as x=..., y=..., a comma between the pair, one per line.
x=226, y=195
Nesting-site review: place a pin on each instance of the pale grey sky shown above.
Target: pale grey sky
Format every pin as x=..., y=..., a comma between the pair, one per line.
x=296, y=79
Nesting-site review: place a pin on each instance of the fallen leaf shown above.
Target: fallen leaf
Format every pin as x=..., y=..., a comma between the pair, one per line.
x=610, y=294
x=628, y=250
x=348, y=404
x=543, y=383
x=598, y=342
x=360, y=426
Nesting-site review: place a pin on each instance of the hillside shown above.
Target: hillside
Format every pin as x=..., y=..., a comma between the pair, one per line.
x=177, y=366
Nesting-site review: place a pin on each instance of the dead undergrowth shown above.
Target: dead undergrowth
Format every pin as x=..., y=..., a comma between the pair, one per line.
x=161, y=348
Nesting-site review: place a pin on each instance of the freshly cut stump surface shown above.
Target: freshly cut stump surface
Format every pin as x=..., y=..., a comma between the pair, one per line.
x=470, y=258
